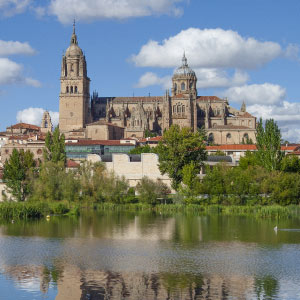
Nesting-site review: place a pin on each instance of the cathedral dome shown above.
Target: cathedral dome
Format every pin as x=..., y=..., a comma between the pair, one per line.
x=74, y=50
x=184, y=69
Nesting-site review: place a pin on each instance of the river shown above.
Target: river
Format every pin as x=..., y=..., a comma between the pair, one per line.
x=122, y=255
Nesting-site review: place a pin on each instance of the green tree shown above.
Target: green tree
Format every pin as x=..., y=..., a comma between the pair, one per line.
x=55, y=147
x=142, y=149
x=151, y=191
x=268, y=145
x=16, y=171
x=190, y=181
x=290, y=163
x=180, y=147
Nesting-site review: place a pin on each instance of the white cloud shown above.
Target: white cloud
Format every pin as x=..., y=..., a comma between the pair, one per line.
x=67, y=10
x=208, y=48
x=15, y=47
x=286, y=114
x=33, y=115
x=267, y=94
x=12, y=7
x=12, y=73
x=150, y=78
x=217, y=78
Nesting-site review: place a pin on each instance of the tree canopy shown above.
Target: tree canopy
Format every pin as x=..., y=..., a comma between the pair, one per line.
x=268, y=142
x=16, y=171
x=177, y=148
x=55, y=147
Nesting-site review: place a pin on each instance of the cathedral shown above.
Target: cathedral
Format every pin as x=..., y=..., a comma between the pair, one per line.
x=86, y=116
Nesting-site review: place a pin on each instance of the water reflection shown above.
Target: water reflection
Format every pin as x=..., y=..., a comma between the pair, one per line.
x=148, y=256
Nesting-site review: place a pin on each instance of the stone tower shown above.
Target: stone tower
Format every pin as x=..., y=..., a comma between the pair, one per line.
x=183, y=108
x=46, y=125
x=74, y=109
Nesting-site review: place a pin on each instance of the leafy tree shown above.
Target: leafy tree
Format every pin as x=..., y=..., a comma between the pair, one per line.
x=177, y=148
x=148, y=133
x=16, y=171
x=150, y=191
x=55, y=147
x=190, y=180
x=250, y=159
x=268, y=145
x=290, y=163
x=142, y=149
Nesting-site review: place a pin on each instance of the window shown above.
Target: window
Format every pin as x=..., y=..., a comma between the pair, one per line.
x=71, y=90
x=183, y=109
x=211, y=138
x=179, y=108
x=175, y=86
x=67, y=89
x=228, y=136
x=174, y=108
x=183, y=86
x=246, y=136
x=75, y=89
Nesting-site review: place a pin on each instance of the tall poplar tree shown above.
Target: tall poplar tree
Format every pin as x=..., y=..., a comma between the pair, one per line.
x=268, y=142
x=55, y=147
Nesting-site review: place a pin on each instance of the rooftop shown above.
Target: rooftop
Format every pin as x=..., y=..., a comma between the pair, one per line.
x=24, y=126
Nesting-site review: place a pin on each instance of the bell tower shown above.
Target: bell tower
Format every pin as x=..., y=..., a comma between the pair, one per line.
x=74, y=108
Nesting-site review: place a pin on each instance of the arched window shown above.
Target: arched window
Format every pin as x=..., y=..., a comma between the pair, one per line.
x=71, y=90
x=183, y=109
x=174, y=108
x=183, y=86
x=211, y=138
x=67, y=89
x=228, y=136
x=179, y=108
x=246, y=136
x=175, y=86
x=75, y=89
x=46, y=124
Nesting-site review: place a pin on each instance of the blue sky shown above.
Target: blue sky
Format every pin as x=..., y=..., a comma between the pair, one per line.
x=246, y=50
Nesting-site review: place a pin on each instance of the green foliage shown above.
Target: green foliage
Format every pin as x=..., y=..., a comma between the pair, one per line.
x=180, y=147
x=250, y=159
x=55, y=147
x=268, y=140
x=16, y=171
x=290, y=163
x=148, y=133
x=143, y=149
x=218, y=153
x=190, y=181
x=151, y=192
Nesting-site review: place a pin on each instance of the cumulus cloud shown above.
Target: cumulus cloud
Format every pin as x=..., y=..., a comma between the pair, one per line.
x=267, y=94
x=88, y=10
x=34, y=115
x=12, y=7
x=14, y=47
x=12, y=73
x=207, y=78
x=217, y=78
x=149, y=79
x=208, y=48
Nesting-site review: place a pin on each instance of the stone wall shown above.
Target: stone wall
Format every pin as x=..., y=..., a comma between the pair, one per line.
x=134, y=171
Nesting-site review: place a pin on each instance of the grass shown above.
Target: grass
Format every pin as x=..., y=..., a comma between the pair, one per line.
x=30, y=210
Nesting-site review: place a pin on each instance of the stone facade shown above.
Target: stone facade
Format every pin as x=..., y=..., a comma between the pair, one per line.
x=223, y=123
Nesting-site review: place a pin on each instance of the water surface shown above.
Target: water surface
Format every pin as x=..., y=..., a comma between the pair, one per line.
x=118, y=255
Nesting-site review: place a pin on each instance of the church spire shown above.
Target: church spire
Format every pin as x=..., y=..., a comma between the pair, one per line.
x=74, y=36
x=184, y=60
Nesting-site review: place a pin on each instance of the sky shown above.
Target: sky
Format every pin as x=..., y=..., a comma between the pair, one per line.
x=245, y=50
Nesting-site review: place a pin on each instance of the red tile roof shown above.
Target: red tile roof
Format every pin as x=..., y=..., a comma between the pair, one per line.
x=207, y=98
x=95, y=142
x=72, y=164
x=19, y=137
x=232, y=147
x=247, y=147
x=24, y=126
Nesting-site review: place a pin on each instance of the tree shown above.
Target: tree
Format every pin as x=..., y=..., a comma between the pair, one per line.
x=180, y=147
x=16, y=171
x=142, y=149
x=268, y=145
x=190, y=180
x=290, y=163
x=55, y=147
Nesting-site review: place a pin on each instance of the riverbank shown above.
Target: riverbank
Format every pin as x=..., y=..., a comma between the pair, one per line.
x=35, y=210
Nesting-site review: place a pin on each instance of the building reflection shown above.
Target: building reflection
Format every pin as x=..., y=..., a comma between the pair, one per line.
x=73, y=283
